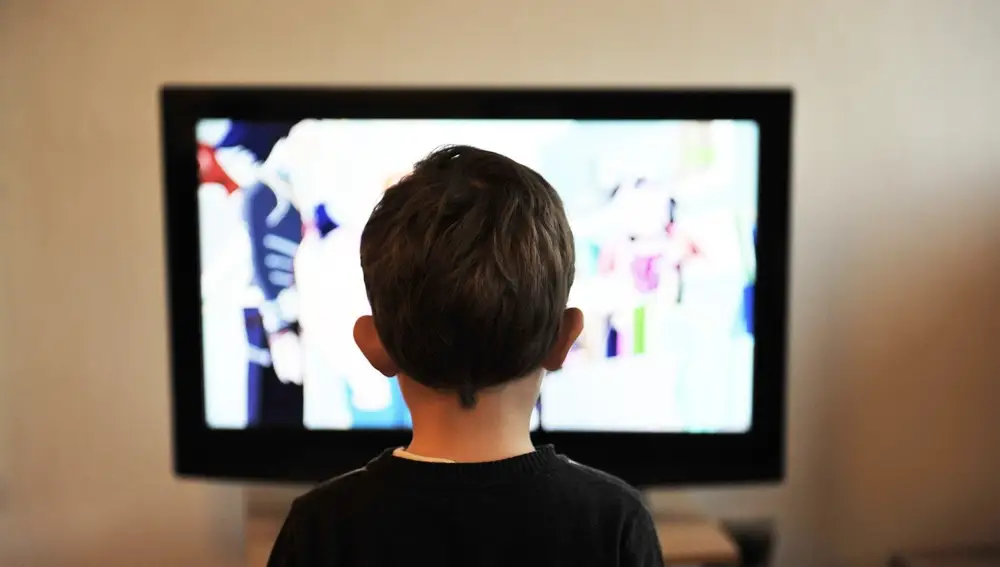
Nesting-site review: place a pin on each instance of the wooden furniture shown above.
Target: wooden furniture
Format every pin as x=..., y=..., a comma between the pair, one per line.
x=696, y=541
x=968, y=556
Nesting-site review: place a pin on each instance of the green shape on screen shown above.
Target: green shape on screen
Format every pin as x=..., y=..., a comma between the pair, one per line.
x=699, y=156
x=639, y=342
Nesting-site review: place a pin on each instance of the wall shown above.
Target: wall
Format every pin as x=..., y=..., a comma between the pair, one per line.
x=5, y=209
x=894, y=438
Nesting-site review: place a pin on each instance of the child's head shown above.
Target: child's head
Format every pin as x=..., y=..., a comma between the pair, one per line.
x=468, y=262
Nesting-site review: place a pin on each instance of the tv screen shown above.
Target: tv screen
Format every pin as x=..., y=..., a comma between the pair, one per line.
x=268, y=192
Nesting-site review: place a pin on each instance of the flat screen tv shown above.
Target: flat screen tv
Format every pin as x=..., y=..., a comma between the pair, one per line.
x=679, y=203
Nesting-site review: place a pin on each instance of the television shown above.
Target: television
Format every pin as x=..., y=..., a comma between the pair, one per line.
x=679, y=203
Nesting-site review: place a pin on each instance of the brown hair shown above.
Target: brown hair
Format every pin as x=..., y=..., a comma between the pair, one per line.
x=468, y=262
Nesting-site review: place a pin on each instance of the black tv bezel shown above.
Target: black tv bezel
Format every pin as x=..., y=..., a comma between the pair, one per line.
x=643, y=459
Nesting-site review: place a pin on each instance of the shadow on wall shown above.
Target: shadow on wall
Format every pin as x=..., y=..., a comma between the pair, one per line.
x=128, y=531
x=900, y=418
x=918, y=388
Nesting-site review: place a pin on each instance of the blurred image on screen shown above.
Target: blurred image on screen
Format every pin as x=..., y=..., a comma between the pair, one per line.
x=664, y=218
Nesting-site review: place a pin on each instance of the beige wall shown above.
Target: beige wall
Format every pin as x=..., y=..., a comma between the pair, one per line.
x=895, y=372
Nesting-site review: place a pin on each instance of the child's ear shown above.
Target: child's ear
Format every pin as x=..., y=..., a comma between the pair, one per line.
x=569, y=331
x=367, y=340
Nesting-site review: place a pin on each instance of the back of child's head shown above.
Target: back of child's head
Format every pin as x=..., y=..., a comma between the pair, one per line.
x=468, y=262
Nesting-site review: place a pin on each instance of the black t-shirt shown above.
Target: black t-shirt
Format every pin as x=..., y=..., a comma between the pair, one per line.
x=535, y=509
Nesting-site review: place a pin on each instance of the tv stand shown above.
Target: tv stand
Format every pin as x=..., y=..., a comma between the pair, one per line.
x=689, y=537
x=690, y=540
x=686, y=538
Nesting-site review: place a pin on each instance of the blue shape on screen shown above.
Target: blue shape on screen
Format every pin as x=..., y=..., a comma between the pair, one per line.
x=324, y=223
x=749, y=293
x=748, y=297
x=272, y=244
x=257, y=339
x=611, y=344
x=394, y=416
x=257, y=137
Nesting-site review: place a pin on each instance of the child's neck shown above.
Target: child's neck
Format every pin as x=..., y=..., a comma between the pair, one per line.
x=470, y=436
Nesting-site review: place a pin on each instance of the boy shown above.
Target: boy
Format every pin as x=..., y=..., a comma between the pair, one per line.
x=468, y=263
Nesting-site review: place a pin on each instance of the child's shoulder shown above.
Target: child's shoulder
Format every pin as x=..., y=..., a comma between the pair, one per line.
x=604, y=485
x=340, y=490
